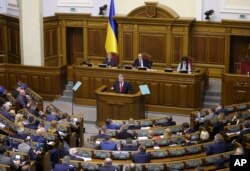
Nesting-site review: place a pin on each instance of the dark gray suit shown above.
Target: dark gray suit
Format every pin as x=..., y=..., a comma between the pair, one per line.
x=8, y=161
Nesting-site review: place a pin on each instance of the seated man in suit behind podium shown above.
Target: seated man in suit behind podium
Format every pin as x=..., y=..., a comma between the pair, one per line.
x=140, y=62
x=109, y=61
x=122, y=86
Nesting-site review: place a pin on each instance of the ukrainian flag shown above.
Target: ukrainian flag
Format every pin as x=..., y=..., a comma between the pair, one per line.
x=111, y=39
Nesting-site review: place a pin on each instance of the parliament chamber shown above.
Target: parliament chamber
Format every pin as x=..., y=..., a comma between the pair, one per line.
x=216, y=49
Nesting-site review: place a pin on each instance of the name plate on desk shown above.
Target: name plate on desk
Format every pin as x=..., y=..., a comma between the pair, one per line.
x=128, y=67
x=168, y=70
x=89, y=64
x=103, y=65
x=183, y=71
x=142, y=68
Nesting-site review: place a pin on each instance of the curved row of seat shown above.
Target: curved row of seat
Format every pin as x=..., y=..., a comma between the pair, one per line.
x=183, y=164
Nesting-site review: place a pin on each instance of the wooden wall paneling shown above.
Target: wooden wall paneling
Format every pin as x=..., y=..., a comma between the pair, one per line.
x=3, y=80
x=96, y=44
x=237, y=86
x=239, y=49
x=216, y=49
x=161, y=85
x=168, y=94
x=47, y=83
x=153, y=44
x=86, y=91
x=13, y=40
x=199, y=48
x=36, y=84
x=155, y=93
x=177, y=48
x=51, y=41
x=127, y=46
x=24, y=77
x=12, y=80
x=182, y=95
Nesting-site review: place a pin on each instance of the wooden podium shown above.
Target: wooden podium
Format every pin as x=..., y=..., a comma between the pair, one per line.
x=118, y=106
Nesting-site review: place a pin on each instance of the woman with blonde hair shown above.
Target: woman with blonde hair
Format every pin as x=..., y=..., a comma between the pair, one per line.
x=167, y=133
x=53, y=129
x=19, y=120
x=204, y=136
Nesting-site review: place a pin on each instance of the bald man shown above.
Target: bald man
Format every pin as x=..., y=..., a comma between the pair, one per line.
x=107, y=165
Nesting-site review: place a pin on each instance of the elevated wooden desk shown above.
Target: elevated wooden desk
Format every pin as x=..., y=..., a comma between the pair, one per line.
x=170, y=92
x=118, y=106
x=235, y=89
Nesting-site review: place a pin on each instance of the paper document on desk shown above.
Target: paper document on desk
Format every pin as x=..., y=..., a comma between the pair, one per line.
x=144, y=89
x=142, y=138
x=233, y=133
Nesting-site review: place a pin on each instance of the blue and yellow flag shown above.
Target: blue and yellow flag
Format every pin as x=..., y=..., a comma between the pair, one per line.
x=111, y=39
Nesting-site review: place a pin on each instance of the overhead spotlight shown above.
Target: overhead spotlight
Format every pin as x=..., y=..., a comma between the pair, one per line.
x=208, y=14
x=103, y=9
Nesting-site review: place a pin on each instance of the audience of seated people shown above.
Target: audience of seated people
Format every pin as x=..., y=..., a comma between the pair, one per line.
x=130, y=167
x=42, y=145
x=107, y=165
x=129, y=146
x=141, y=156
x=204, y=136
x=26, y=147
x=3, y=96
x=218, y=126
x=22, y=99
x=188, y=140
x=132, y=125
x=239, y=151
x=169, y=122
x=211, y=114
x=245, y=130
x=107, y=144
x=237, y=119
x=53, y=116
x=111, y=125
x=16, y=92
x=187, y=128
x=221, y=109
x=7, y=112
x=65, y=166
x=14, y=164
x=219, y=146
x=124, y=134
x=73, y=154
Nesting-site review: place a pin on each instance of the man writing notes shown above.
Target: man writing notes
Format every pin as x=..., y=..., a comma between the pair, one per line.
x=122, y=86
x=140, y=62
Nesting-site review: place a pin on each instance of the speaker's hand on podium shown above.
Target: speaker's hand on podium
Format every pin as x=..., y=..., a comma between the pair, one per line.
x=112, y=88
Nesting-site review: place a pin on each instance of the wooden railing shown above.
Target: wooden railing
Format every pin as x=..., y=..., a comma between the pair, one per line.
x=48, y=82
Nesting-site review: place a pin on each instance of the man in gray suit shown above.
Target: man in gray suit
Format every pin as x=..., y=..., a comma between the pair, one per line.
x=14, y=165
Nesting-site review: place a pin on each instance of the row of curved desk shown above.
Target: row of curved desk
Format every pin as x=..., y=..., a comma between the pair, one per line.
x=170, y=91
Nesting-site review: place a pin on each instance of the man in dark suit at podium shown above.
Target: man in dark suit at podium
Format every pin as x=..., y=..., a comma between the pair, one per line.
x=122, y=86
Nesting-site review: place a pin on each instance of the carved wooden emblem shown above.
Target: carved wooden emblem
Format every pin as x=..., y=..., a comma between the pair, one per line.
x=151, y=10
